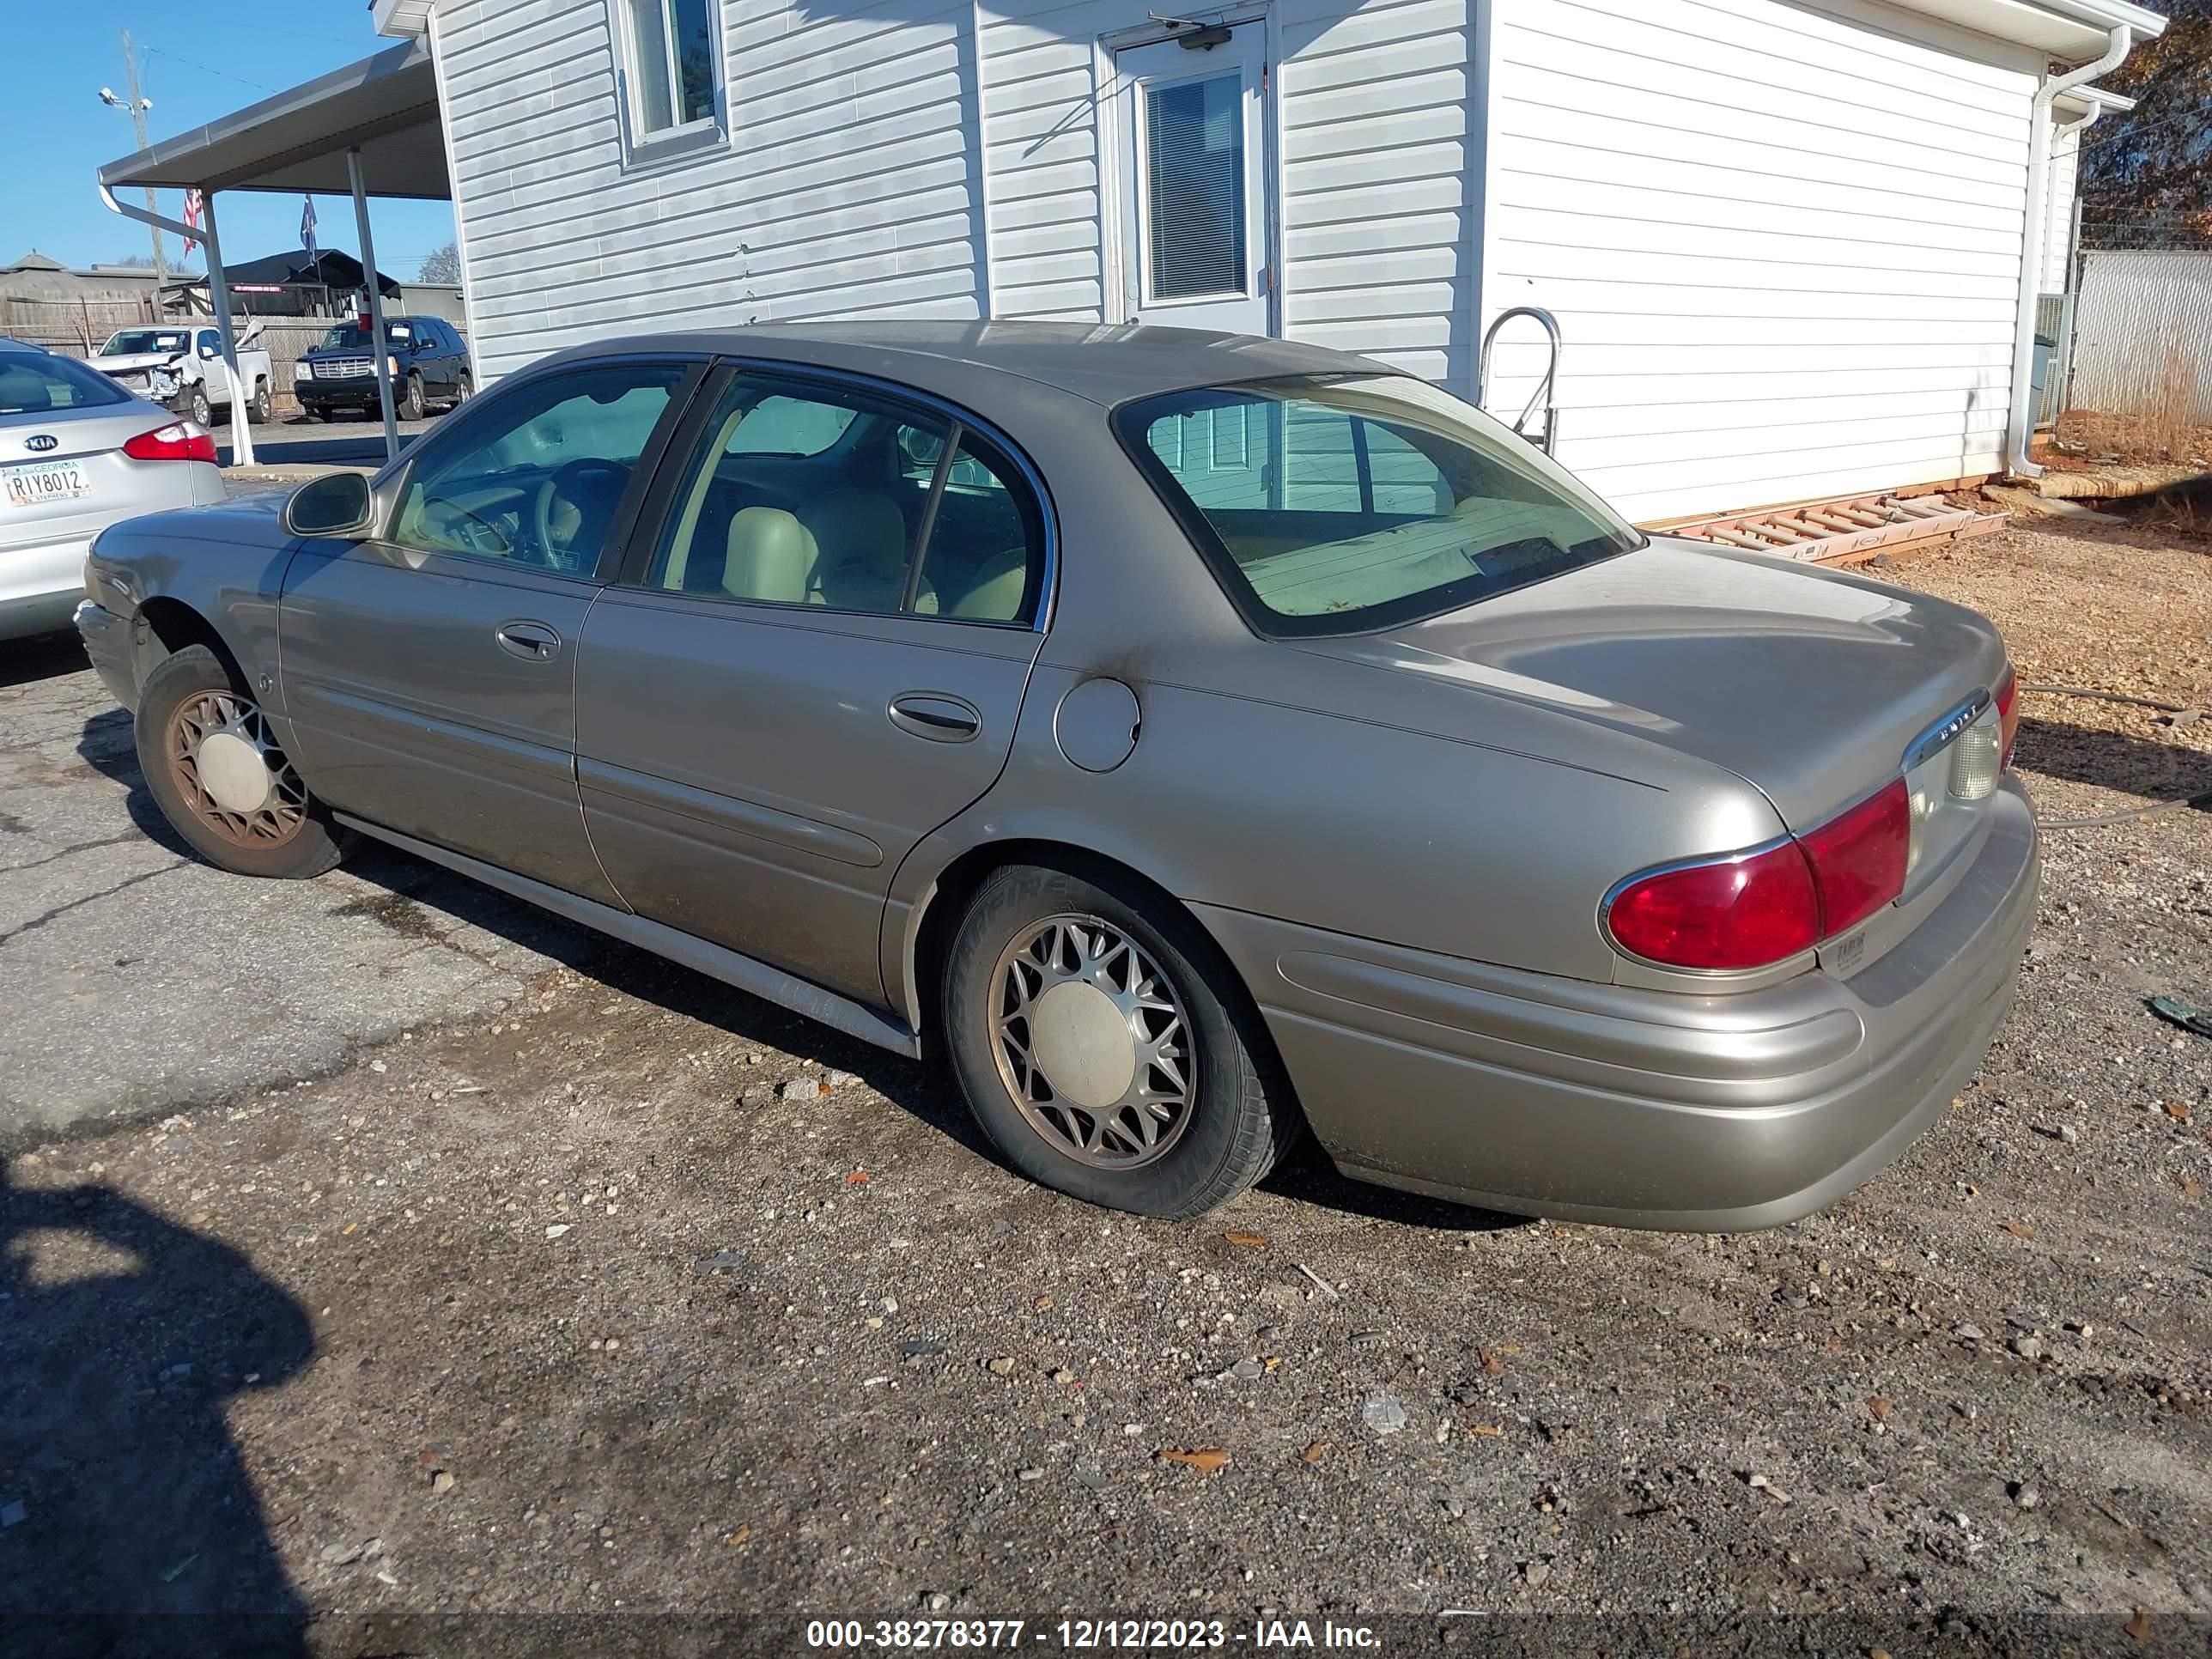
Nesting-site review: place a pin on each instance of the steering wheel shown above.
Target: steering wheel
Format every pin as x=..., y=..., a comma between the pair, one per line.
x=590, y=488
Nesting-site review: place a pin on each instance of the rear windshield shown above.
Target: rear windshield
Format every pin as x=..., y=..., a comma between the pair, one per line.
x=1339, y=504
x=35, y=384
x=130, y=341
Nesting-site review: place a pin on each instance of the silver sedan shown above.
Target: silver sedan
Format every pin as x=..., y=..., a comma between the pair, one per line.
x=78, y=453
x=1197, y=739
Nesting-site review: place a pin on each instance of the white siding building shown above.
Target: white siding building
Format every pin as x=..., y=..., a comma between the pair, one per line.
x=1787, y=241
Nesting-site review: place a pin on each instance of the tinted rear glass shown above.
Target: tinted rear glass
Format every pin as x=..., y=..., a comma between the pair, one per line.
x=1340, y=504
x=34, y=383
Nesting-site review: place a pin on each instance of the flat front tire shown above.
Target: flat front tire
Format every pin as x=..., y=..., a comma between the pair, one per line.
x=213, y=767
x=1105, y=1046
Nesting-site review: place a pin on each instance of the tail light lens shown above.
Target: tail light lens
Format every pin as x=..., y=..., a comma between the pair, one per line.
x=181, y=440
x=2007, y=717
x=1732, y=912
x=1858, y=857
x=1752, y=910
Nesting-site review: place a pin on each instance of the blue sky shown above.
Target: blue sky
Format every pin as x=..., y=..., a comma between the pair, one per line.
x=196, y=63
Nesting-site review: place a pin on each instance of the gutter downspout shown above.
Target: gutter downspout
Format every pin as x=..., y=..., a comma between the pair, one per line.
x=241, y=426
x=2019, y=419
x=2062, y=361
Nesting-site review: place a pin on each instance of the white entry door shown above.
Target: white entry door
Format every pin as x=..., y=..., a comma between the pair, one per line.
x=1194, y=165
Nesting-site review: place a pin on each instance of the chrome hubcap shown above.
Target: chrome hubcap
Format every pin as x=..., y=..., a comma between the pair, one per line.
x=1092, y=1042
x=235, y=780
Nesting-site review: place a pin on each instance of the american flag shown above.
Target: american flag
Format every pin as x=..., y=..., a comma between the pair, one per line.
x=194, y=213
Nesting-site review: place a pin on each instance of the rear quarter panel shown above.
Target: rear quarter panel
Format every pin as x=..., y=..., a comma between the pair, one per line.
x=1279, y=782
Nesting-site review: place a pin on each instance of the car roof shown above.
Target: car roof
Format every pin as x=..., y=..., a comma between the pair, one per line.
x=1104, y=364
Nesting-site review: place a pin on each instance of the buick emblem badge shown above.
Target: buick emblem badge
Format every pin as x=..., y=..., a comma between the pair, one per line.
x=39, y=442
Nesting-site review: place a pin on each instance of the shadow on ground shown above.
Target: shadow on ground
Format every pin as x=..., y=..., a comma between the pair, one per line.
x=47, y=657
x=128, y=1521
x=2112, y=760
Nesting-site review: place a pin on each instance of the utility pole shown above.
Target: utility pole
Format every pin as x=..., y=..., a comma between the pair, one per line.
x=138, y=108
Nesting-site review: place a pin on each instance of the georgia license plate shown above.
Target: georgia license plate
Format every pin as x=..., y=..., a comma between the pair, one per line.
x=41, y=482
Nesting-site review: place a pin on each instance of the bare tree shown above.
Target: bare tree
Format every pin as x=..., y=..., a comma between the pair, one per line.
x=2147, y=175
x=441, y=266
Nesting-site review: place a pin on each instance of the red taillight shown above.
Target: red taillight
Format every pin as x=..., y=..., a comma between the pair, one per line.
x=1859, y=857
x=1737, y=912
x=2008, y=718
x=179, y=441
x=1757, y=909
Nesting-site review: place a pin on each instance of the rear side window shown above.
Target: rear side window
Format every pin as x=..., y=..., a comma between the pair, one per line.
x=849, y=499
x=35, y=384
x=1339, y=504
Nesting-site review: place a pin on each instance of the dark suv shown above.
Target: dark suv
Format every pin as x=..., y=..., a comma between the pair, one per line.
x=429, y=365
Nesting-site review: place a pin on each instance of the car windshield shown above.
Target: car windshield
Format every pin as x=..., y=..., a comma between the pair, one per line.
x=354, y=336
x=129, y=342
x=1337, y=504
x=32, y=383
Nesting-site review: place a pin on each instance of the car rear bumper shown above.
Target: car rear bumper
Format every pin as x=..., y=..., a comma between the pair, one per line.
x=1532, y=1094
x=39, y=586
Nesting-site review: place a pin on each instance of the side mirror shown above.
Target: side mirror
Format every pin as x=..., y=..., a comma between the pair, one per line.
x=211, y=353
x=337, y=504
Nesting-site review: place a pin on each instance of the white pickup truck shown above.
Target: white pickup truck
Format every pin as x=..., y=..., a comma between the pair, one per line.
x=180, y=365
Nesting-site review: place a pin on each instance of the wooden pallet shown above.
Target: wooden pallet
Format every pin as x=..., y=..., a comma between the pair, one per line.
x=1844, y=532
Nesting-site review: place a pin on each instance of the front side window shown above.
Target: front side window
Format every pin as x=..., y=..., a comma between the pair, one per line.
x=845, y=498
x=672, y=68
x=536, y=479
x=1337, y=504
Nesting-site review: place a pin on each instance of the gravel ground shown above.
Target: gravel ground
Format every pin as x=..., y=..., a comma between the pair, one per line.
x=579, y=1284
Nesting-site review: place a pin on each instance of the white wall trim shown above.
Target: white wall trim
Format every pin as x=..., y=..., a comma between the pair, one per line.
x=460, y=224
x=985, y=297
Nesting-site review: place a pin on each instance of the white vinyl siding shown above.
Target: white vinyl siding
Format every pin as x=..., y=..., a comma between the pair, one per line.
x=1041, y=135
x=851, y=184
x=1784, y=243
x=1380, y=169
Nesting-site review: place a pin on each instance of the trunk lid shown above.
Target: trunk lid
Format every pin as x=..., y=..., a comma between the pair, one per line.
x=87, y=476
x=1808, y=684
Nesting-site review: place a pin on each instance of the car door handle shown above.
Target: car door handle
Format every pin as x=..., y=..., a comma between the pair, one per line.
x=532, y=642
x=933, y=715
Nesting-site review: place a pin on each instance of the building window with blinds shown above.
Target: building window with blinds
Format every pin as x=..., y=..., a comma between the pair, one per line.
x=669, y=58
x=1194, y=194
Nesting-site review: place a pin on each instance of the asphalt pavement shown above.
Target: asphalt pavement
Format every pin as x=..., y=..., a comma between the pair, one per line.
x=295, y=441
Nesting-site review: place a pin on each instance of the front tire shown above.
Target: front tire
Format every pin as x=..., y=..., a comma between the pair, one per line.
x=213, y=768
x=1106, y=1048
x=199, y=409
x=411, y=401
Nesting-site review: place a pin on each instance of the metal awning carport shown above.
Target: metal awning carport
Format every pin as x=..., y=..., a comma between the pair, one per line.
x=370, y=129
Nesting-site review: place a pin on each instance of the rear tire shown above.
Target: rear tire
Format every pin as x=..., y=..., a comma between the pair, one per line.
x=204, y=748
x=263, y=407
x=463, y=388
x=1136, y=1011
